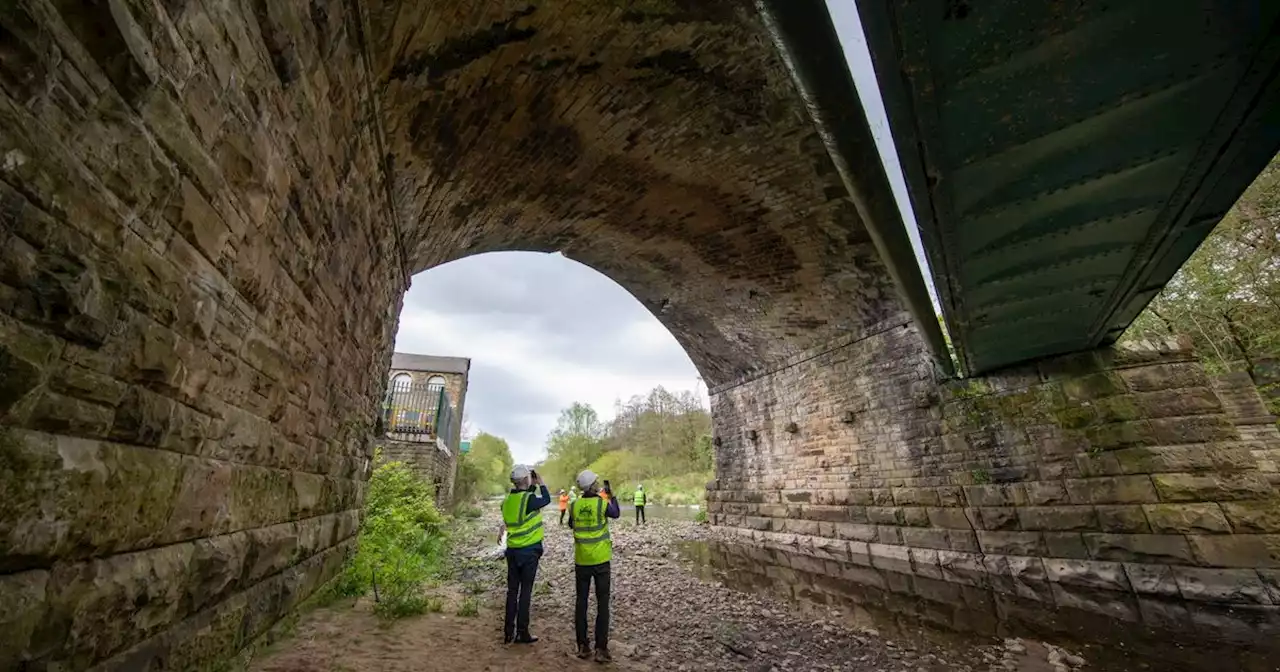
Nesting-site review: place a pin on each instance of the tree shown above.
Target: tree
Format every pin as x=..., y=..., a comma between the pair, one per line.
x=485, y=469
x=1227, y=296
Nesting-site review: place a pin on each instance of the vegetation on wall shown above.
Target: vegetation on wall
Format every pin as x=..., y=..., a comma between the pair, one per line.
x=662, y=440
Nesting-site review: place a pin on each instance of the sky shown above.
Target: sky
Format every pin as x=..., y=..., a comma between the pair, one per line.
x=543, y=331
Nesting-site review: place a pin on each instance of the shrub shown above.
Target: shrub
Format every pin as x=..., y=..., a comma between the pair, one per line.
x=402, y=543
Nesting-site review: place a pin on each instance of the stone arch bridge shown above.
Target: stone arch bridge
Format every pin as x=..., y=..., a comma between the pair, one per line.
x=210, y=211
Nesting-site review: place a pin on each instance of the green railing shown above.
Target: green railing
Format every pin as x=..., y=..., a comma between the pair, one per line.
x=419, y=409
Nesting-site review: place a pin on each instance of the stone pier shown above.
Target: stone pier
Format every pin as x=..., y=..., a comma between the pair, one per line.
x=1104, y=495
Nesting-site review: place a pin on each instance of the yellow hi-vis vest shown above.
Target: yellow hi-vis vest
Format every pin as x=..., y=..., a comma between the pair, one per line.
x=523, y=529
x=591, y=544
x=638, y=498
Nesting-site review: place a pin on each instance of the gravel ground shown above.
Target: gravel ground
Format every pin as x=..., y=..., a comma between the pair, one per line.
x=664, y=618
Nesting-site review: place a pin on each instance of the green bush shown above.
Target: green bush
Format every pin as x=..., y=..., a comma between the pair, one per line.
x=402, y=543
x=700, y=516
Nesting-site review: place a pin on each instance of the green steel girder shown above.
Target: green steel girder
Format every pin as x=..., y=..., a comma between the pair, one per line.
x=1065, y=157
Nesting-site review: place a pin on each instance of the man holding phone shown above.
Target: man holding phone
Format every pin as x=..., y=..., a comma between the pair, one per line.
x=592, y=555
x=522, y=523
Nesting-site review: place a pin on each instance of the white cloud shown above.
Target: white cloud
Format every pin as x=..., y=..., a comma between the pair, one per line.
x=542, y=331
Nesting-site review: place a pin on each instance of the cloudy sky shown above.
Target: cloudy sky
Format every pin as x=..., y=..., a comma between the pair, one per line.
x=543, y=331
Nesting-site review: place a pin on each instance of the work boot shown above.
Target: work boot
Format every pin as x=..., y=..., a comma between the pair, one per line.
x=602, y=656
x=584, y=651
x=526, y=638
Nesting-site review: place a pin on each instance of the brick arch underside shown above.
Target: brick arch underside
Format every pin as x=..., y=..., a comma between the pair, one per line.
x=209, y=210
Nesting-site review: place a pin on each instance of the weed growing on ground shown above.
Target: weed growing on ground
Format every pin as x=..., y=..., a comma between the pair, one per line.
x=435, y=605
x=470, y=606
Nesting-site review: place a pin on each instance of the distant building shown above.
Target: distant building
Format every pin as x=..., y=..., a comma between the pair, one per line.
x=422, y=416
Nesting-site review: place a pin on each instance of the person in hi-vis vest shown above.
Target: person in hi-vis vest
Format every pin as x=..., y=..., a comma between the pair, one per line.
x=639, y=500
x=522, y=522
x=592, y=553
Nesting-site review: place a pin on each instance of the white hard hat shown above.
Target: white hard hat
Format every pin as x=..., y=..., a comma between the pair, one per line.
x=586, y=478
x=639, y=487
x=520, y=472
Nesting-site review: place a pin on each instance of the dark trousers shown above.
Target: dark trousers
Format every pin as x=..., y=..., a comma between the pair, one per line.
x=640, y=514
x=522, y=567
x=584, y=575
x=562, y=511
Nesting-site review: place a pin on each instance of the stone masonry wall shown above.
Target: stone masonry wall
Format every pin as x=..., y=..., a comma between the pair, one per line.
x=427, y=461
x=197, y=286
x=1105, y=494
x=1247, y=409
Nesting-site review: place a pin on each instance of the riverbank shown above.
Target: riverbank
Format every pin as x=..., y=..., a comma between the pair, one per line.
x=665, y=617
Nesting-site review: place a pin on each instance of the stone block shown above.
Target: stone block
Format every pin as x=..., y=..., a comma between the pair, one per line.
x=924, y=562
x=260, y=496
x=1058, y=518
x=993, y=495
x=963, y=568
x=888, y=534
x=1115, y=435
x=998, y=518
x=963, y=540
x=1172, y=459
x=925, y=538
x=59, y=414
x=1165, y=377
x=1164, y=613
x=1045, y=493
x=202, y=505
x=1149, y=548
x=1149, y=579
x=22, y=608
x=1179, y=402
x=949, y=518
x=884, y=515
x=1238, y=586
x=217, y=569
x=1211, y=487
x=144, y=418
x=915, y=516
x=1112, y=490
x=1205, y=518
x=1066, y=545
x=890, y=558
x=1092, y=386
x=108, y=604
x=1122, y=518
x=855, y=531
x=1259, y=516
x=1030, y=579
x=1011, y=543
x=1271, y=580
x=1250, y=551
x=915, y=497
x=82, y=383
x=1194, y=429
x=66, y=497
x=1118, y=606
x=1088, y=574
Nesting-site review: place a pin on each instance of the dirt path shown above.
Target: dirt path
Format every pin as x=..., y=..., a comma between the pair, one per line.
x=664, y=618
